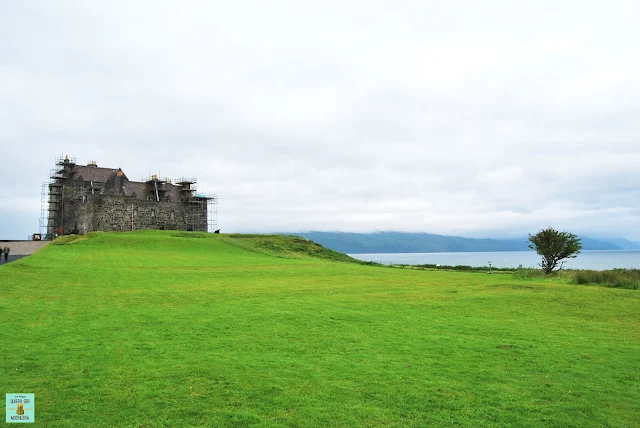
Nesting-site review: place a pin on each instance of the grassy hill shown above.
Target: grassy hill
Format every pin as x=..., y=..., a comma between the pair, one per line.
x=186, y=329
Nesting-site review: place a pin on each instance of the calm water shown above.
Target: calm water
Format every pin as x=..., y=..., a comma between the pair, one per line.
x=596, y=260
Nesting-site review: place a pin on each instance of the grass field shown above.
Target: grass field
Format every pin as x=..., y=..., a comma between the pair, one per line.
x=178, y=329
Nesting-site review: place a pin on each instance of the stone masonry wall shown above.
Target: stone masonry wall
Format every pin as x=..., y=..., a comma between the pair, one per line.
x=114, y=213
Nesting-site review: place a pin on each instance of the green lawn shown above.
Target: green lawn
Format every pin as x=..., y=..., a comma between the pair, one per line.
x=178, y=329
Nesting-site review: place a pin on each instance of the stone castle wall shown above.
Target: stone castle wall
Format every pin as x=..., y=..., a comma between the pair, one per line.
x=117, y=213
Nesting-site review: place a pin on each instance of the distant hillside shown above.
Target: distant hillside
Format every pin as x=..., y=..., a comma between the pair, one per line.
x=403, y=242
x=598, y=244
x=624, y=244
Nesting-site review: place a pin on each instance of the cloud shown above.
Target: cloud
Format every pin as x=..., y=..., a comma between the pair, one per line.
x=492, y=118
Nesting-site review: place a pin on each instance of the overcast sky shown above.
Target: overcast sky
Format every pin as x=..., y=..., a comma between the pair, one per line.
x=459, y=117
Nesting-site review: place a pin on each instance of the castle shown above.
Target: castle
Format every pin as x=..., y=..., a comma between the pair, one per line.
x=90, y=198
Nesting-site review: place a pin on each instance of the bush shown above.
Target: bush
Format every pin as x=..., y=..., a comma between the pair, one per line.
x=616, y=278
x=464, y=268
x=530, y=274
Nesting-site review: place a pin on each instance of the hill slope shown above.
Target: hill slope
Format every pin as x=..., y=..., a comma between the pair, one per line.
x=623, y=244
x=285, y=246
x=186, y=329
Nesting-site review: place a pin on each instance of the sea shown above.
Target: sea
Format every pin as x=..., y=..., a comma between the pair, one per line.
x=594, y=260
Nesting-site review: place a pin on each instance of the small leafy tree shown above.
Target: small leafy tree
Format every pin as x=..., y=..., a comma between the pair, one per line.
x=554, y=247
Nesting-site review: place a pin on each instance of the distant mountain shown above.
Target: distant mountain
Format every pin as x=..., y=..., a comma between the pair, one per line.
x=597, y=244
x=404, y=242
x=624, y=244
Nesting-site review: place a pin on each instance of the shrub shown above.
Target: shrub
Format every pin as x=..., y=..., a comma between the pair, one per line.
x=464, y=268
x=616, y=278
x=529, y=274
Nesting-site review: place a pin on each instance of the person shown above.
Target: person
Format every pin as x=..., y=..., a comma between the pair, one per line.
x=6, y=253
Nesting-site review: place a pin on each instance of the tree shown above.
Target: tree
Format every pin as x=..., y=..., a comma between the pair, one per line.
x=554, y=247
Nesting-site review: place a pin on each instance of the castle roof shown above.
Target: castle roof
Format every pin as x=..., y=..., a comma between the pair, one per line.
x=94, y=173
x=134, y=188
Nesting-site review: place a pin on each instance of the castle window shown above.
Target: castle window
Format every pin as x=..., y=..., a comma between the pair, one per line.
x=153, y=213
x=172, y=215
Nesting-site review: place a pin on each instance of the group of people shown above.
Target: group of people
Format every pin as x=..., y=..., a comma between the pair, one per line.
x=6, y=250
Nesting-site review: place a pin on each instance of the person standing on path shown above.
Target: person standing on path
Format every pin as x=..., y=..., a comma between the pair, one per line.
x=6, y=253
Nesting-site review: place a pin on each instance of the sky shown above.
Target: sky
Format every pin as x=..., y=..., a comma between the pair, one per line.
x=456, y=117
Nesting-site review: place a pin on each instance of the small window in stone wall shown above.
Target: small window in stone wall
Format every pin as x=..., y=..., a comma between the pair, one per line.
x=153, y=213
x=171, y=215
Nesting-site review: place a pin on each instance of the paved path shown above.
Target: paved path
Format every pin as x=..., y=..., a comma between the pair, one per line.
x=23, y=248
x=11, y=258
x=20, y=249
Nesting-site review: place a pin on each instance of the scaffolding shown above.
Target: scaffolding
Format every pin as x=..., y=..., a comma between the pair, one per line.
x=203, y=212
x=44, y=208
x=64, y=167
x=65, y=159
x=157, y=186
x=188, y=185
x=51, y=196
x=212, y=213
x=55, y=207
